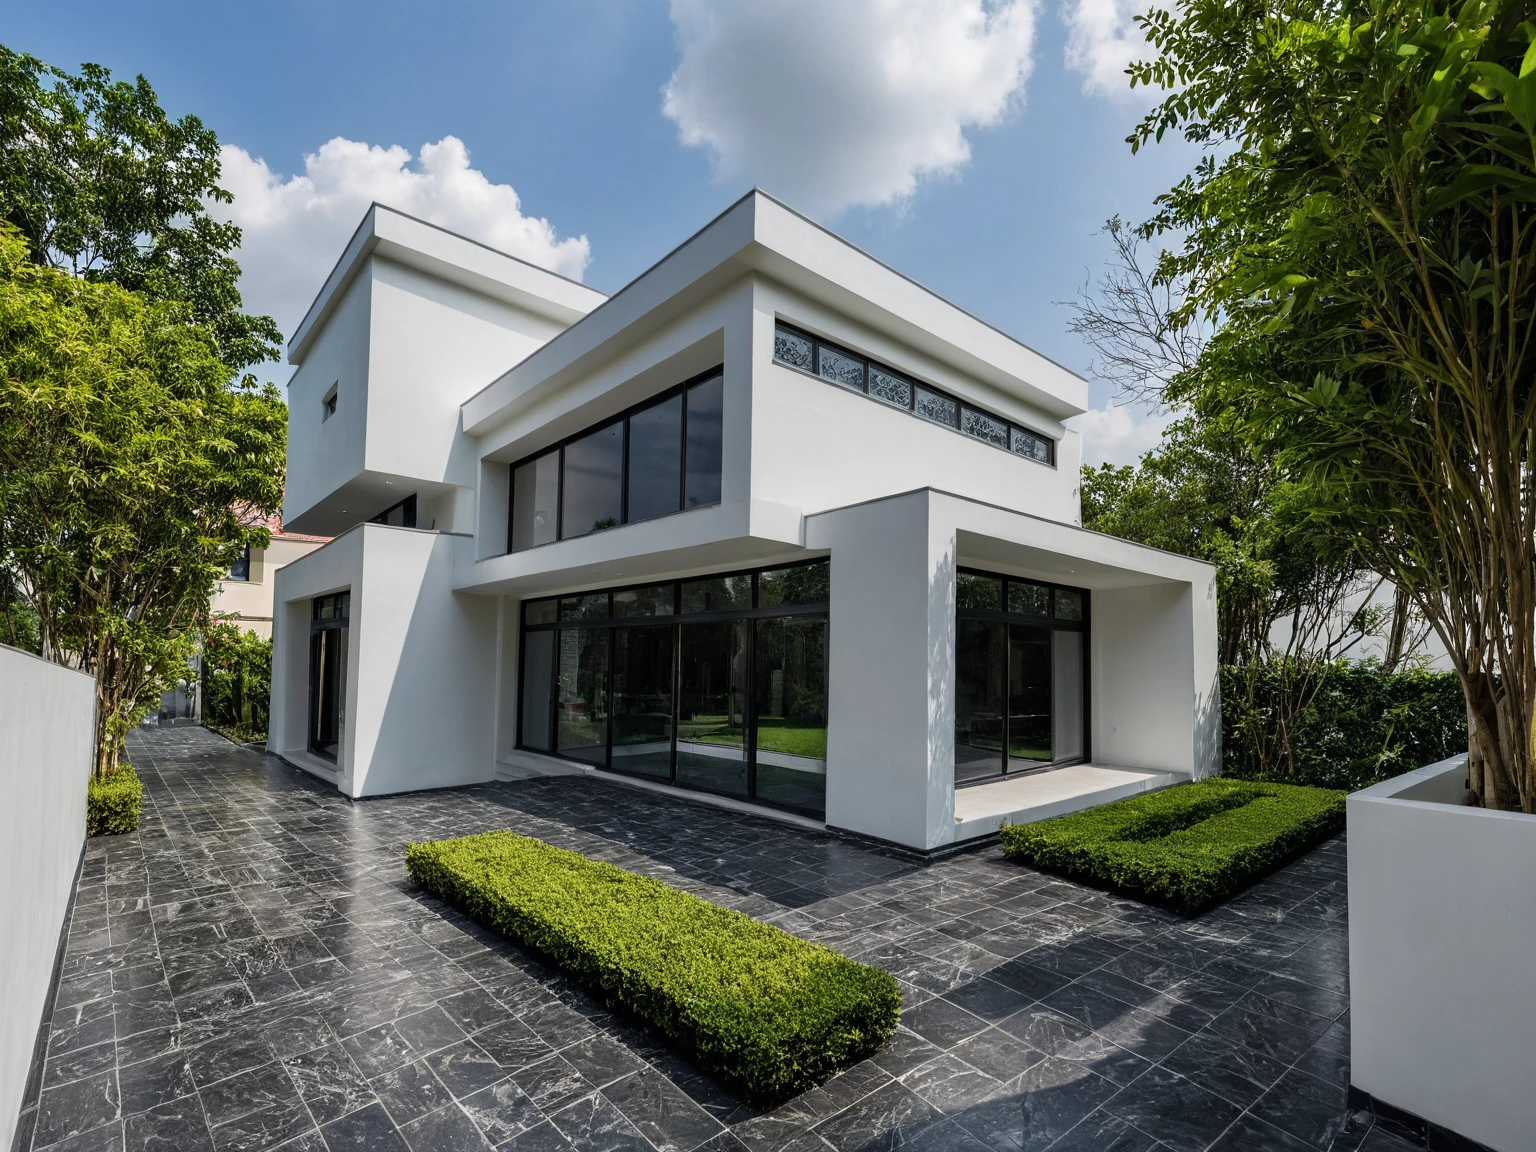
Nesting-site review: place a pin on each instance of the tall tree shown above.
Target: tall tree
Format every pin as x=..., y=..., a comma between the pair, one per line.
x=131, y=475
x=103, y=184
x=1363, y=229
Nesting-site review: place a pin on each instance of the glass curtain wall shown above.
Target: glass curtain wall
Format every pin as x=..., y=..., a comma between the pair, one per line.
x=1020, y=676
x=717, y=684
x=660, y=457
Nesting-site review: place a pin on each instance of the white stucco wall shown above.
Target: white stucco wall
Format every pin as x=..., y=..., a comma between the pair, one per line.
x=1442, y=925
x=45, y=764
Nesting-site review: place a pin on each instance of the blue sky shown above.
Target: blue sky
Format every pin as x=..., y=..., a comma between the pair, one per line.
x=950, y=138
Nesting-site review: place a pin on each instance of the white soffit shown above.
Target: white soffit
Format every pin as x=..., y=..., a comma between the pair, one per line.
x=759, y=234
x=447, y=256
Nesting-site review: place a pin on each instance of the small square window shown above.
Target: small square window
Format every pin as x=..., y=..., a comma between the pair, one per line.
x=984, y=427
x=1030, y=445
x=792, y=348
x=939, y=409
x=1069, y=604
x=539, y=612
x=889, y=387
x=1030, y=599
x=241, y=568
x=328, y=405
x=717, y=593
x=973, y=591
x=801, y=584
x=589, y=607
x=841, y=368
x=653, y=601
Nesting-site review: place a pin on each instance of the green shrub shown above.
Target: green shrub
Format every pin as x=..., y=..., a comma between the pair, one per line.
x=237, y=681
x=112, y=804
x=1186, y=848
x=766, y=1012
x=1363, y=725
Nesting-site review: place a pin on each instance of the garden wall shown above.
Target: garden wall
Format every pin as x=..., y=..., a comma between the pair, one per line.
x=1442, y=926
x=45, y=764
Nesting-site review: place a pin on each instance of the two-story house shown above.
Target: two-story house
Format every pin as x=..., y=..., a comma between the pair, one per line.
x=773, y=524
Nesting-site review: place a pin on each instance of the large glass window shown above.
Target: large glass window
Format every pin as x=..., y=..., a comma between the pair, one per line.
x=582, y=731
x=329, y=617
x=790, y=719
x=656, y=459
x=712, y=707
x=807, y=353
x=706, y=401
x=592, y=482
x=1020, y=690
x=717, y=683
x=659, y=458
x=535, y=501
x=642, y=700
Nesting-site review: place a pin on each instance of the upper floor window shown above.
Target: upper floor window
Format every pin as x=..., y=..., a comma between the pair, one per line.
x=328, y=405
x=660, y=457
x=850, y=370
x=241, y=568
x=401, y=515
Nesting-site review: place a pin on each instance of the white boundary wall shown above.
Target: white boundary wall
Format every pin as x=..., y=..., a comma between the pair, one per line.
x=1442, y=929
x=45, y=764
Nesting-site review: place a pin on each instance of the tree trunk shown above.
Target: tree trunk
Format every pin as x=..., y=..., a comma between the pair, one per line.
x=1398, y=635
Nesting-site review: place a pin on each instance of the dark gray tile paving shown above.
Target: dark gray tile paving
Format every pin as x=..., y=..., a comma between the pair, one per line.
x=252, y=970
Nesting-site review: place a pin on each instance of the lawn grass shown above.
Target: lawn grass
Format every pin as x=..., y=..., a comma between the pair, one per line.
x=768, y=1013
x=1185, y=848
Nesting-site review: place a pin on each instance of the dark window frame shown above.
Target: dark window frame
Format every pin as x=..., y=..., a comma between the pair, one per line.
x=559, y=446
x=1051, y=621
x=341, y=601
x=1014, y=428
x=408, y=512
x=610, y=622
x=241, y=566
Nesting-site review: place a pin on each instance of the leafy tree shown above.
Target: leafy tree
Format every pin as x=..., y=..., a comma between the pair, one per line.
x=131, y=474
x=1363, y=230
x=236, y=679
x=102, y=183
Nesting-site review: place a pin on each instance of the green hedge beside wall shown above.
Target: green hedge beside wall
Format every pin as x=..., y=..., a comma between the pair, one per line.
x=1364, y=725
x=112, y=805
x=768, y=1013
x=237, y=681
x=1185, y=848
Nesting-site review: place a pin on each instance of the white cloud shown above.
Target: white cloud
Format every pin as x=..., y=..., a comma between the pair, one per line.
x=1119, y=434
x=835, y=103
x=1103, y=39
x=294, y=227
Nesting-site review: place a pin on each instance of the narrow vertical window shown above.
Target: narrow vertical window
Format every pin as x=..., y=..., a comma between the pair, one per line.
x=705, y=403
x=655, y=459
x=593, y=482
x=535, y=501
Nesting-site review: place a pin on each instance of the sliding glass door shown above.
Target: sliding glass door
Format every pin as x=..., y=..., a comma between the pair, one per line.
x=1020, y=676
x=717, y=684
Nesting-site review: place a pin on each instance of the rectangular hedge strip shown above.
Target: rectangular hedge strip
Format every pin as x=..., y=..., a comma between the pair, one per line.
x=112, y=804
x=1186, y=848
x=768, y=1013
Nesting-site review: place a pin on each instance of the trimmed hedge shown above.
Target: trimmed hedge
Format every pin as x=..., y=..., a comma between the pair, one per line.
x=112, y=804
x=766, y=1012
x=1186, y=848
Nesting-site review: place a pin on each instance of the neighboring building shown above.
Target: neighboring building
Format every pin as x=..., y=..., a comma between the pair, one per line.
x=774, y=524
x=245, y=595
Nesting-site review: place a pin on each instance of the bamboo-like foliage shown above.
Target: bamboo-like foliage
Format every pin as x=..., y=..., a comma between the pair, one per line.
x=1364, y=231
x=131, y=472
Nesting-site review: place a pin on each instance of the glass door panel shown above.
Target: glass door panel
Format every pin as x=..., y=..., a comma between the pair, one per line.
x=642, y=701
x=538, y=675
x=328, y=664
x=1067, y=721
x=582, y=684
x=712, y=673
x=790, y=722
x=1030, y=668
x=980, y=670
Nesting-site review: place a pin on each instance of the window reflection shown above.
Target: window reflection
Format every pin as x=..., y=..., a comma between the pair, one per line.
x=656, y=459
x=790, y=718
x=582, y=732
x=705, y=406
x=711, y=707
x=642, y=701
x=592, y=482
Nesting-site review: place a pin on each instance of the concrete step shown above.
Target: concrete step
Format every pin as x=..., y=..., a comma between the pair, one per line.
x=982, y=809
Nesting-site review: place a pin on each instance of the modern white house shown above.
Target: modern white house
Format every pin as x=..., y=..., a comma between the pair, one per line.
x=773, y=525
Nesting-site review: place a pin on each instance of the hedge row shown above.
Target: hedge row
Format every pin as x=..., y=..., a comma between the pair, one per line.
x=112, y=804
x=1363, y=725
x=766, y=1012
x=1186, y=848
x=236, y=682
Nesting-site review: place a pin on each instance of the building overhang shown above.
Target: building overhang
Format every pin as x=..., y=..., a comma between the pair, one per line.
x=759, y=235
x=448, y=256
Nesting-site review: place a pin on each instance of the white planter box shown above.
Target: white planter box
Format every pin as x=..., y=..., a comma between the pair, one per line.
x=1442, y=936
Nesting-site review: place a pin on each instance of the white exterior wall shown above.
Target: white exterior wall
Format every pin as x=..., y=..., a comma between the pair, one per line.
x=45, y=764
x=421, y=663
x=1442, y=923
